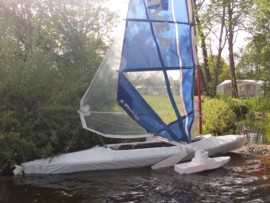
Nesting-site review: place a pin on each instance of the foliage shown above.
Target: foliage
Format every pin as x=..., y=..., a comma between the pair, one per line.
x=254, y=61
x=223, y=71
x=238, y=106
x=218, y=117
x=258, y=104
x=49, y=53
x=225, y=115
x=259, y=122
x=267, y=128
x=218, y=23
x=258, y=118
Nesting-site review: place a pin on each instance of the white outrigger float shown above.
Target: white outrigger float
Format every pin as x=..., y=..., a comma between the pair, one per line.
x=148, y=73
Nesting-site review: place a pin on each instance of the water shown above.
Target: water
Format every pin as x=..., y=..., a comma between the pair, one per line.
x=243, y=179
x=256, y=138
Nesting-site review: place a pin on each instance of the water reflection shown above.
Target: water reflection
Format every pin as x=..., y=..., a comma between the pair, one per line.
x=244, y=179
x=257, y=138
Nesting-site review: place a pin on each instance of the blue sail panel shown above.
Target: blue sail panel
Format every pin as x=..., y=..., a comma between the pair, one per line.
x=147, y=31
x=174, y=127
x=140, y=50
x=158, y=38
x=137, y=9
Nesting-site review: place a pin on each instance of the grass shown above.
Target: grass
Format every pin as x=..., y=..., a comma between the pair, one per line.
x=162, y=106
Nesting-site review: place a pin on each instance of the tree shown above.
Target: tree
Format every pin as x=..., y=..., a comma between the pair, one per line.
x=254, y=59
x=49, y=52
x=204, y=73
x=221, y=44
x=237, y=19
x=210, y=19
x=223, y=70
x=218, y=21
x=231, y=25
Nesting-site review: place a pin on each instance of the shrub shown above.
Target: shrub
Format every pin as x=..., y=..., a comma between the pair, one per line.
x=267, y=128
x=259, y=122
x=258, y=104
x=218, y=117
x=239, y=107
x=258, y=118
x=14, y=149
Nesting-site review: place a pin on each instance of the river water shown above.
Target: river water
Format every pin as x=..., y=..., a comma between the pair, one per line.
x=243, y=179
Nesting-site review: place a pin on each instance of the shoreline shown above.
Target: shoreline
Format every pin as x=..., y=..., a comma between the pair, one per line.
x=255, y=149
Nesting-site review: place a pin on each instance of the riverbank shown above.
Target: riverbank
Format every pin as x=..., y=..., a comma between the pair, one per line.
x=255, y=149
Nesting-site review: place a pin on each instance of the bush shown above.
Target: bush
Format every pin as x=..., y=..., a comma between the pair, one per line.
x=218, y=117
x=44, y=73
x=258, y=118
x=14, y=149
x=258, y=104
x=226, y=115
x=239, y=107
x=267, y=128
x=259, y=122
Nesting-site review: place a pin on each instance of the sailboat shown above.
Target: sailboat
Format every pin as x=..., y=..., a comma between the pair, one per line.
x=143, y=89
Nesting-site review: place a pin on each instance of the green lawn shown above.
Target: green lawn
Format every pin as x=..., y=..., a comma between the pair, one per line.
x=162, y=105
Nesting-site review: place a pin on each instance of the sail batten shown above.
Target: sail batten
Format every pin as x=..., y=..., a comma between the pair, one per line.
x=156, y=21
x=141, y=69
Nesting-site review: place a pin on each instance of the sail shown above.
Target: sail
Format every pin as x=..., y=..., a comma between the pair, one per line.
x=145, y=82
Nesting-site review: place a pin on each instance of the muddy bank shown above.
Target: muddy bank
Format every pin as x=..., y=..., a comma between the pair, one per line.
x=255, y=149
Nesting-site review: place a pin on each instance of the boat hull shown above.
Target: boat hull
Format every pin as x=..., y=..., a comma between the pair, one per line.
x=106, y=158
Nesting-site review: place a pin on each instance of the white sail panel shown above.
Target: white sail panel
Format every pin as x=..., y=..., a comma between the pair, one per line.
x=99, y=111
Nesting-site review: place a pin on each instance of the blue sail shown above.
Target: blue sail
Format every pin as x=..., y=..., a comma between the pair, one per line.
x=158, y=40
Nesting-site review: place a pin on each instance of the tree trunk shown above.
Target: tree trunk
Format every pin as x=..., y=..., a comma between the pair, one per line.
x=230, y=44
x=220, y=48
x=205, y=73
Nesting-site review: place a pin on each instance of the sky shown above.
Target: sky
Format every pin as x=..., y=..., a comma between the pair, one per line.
x=122, y=5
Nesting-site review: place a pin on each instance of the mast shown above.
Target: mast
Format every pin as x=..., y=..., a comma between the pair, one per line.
x=199, y=99
x=198, y=69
